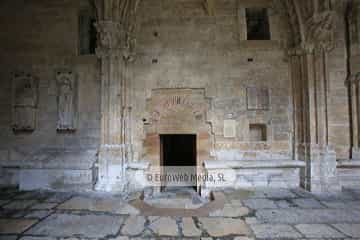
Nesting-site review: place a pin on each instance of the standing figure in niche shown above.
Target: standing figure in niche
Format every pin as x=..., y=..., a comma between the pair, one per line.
x=66, y=110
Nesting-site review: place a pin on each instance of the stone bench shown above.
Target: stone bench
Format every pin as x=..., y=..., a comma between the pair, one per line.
x=54, y=170
x=256, y=173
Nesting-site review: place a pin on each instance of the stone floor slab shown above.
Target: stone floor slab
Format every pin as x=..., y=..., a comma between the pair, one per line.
x=260, y=204
x=307, y=203
x=39, y=238
x=351, y=230
x=113, y=205
x=230, y=211
x=273, y=193
x=296, y=216
x=318, y=231
x=39, y=214
x=189, y=228
x=220, y=227
x=164, y=226
x=44, y=206
x=15, y=226
x=134, y=225
x=20, y=204
x=274, y=231
x=69, y=225
x=8, y=237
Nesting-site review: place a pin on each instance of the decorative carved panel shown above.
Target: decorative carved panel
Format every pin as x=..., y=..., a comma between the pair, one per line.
x=25, y=94
x=66, y=100
x=229, y=128
x=178, y=109
x=258, y=98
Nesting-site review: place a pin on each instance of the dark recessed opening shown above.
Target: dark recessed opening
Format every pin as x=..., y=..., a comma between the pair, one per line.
x=156, y=34
x=87, y=33
x=257, y=22
x=250, y=59
x=258, y=132
x=179, y=151
x=154, y=60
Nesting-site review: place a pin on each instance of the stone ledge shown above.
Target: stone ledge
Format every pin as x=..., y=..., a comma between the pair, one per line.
x=348, y=164
x=214, y=164
x=143, y=165
x=55, y=159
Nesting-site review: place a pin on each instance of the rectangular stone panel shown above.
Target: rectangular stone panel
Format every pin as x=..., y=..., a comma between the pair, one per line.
x=258, y=98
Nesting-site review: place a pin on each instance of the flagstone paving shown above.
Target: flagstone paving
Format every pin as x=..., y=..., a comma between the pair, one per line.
x=245, y=215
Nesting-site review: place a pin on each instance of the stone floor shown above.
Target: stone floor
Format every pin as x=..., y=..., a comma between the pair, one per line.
x=260, y=214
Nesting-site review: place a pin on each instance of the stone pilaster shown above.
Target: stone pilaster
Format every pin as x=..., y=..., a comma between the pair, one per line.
x=113, y=150
x=310, y=81
x=353, y=82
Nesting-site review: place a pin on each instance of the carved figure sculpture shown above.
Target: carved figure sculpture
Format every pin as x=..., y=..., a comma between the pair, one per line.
x=66, y=101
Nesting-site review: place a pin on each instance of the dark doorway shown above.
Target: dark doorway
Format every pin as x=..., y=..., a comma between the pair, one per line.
x=179, y=150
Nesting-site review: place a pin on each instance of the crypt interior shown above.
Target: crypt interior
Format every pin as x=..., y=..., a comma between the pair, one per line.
x=97, y=93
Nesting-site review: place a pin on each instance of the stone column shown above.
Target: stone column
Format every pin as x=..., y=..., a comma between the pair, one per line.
x=355, y=106
x=112, y=153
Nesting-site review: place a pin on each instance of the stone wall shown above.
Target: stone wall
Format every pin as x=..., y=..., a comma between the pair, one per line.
x=180, y=46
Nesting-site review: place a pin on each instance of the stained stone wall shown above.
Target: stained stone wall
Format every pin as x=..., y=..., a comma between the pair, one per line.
x=180, y=46
x=41, y=37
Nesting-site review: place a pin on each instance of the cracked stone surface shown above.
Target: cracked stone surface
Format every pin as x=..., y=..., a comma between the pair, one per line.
x=68, y=225
x=352, y=230
x=270, y=214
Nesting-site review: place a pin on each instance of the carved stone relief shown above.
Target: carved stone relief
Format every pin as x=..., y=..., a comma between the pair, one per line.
x=25, y=96
x=66, y=100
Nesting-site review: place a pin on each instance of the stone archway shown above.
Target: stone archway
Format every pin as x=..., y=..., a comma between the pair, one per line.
x=178, y=111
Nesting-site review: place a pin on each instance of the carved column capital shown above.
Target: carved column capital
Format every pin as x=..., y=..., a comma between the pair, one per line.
x=354, y=78
x=320, y=32
x=114, y=41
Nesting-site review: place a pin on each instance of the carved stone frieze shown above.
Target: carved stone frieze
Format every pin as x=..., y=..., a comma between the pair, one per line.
x=25, y=94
